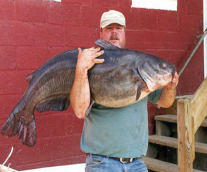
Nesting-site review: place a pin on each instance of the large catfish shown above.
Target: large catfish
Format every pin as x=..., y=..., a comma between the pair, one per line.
x=124, y=78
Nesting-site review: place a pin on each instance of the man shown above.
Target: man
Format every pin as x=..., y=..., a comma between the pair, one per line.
x=114, y=139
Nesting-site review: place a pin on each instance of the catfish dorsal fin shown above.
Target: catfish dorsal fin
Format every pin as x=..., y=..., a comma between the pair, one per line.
x=29, y=77
x=105, y=44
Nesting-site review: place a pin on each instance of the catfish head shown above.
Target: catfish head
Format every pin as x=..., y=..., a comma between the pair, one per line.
x=156, y=72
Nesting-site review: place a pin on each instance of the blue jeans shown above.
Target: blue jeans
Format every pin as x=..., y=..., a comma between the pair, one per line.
x=98, y=163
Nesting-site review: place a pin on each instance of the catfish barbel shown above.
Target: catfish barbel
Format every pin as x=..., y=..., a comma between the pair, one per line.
x=125, y=77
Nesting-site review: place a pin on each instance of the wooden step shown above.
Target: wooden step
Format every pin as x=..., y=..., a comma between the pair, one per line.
x=173, y=109
x=172, y=142
x=173, y=119
x=184, y=97
x=161, y=166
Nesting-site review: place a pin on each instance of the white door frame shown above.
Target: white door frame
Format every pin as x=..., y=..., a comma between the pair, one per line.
x=205, y=39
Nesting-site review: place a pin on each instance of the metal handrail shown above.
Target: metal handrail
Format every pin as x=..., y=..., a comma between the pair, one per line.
x=193, y=52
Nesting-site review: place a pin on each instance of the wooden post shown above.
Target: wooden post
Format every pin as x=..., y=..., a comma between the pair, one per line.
x=199, y=105
x=186, y=145
x=190, y=115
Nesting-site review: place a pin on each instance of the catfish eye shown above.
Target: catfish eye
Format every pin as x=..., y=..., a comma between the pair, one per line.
x=164, y=65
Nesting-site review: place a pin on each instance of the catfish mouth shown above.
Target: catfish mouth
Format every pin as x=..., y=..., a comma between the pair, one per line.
x=155, y=80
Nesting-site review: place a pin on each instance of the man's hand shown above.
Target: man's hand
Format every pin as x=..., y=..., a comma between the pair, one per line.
x=87, y=57
x=173, y=84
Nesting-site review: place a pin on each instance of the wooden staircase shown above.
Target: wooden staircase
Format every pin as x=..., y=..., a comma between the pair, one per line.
x=165, y=139
x=180, y=142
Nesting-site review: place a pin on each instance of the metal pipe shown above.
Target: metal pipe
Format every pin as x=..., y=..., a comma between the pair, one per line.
x=193, y=52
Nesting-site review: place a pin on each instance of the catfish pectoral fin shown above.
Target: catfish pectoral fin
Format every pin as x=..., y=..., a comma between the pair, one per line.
x=27, y=133
x=139, y=85
x=10, y=127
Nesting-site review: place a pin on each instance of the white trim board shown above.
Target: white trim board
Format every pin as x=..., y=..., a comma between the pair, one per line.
x=170, y=5
x=205, y=39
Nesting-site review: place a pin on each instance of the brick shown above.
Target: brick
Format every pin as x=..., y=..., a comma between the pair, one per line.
x=125, y=4
x=57, y=50
x=7, y=104
x=27, y=155
x=191, y=24
x=112, y=4
x=7, y=141
x=162, y=37
x=169, y=17
x=106, y=4
x=82, y=36
x=7, y=9
x=54, y=162
x=5, y=150
x=194, y=70
x=46, y=150
x=195, y=63
x=135, y=37
x=14, y=82
x=15, y=33
x=69, y=123
x=49, y=35
x=144, y=19
x=128, y=13
x=65, y=13
x=151, y=129
x=187, y=85
x=8, y=57
x=93, y=19
x=195, y=7
x=75, y=1
x=156, y=45
x=182, y=7
x=32, y=11
x=83, y=2
x=56, y=124
x=24, y=33
x=65, y=146
x=32, y=57
x=76, y=124
x=172, y=56
x=162, y=40
x=7, y=34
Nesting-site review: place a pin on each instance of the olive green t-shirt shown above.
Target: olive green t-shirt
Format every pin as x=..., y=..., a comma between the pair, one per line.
x=118, y=132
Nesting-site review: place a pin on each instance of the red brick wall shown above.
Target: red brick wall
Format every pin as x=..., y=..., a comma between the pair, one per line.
x=33, y=31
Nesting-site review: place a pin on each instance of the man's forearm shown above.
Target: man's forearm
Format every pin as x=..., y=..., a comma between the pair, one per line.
x=167, y=97
x=80, y=93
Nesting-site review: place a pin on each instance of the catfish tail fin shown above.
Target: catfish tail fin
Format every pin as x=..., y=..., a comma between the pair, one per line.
x=27, y=133
x=18, y=124
x=11, y=126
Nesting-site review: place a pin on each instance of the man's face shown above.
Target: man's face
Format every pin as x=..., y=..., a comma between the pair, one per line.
x=115, y=34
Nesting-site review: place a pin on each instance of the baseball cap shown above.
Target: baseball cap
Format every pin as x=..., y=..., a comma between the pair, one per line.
x=112, y=16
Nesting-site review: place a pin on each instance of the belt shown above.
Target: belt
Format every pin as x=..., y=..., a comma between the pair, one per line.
x=123, y=160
